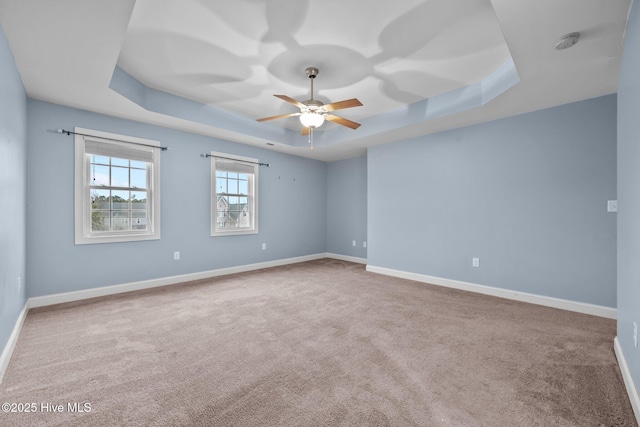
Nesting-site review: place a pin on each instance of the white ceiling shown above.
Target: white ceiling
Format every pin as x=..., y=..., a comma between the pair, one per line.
x=212, y=67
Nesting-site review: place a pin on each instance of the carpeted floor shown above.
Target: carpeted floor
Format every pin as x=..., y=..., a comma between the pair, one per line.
x=321, y=343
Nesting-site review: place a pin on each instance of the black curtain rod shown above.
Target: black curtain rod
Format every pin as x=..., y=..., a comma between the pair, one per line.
x=69, y=132
x=237, y=160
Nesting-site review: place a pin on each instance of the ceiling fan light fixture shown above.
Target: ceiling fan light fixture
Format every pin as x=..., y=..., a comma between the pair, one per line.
x=311, y=119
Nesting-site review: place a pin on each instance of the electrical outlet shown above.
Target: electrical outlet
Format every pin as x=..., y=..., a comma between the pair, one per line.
x=364, y=244
x=264, y=246
x=475, y=262
x=353, y=243
x=176, y=255
x=635, y=334
x=19, y=282
x=612, y=206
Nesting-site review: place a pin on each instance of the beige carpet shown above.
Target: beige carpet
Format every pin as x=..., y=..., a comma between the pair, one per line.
x=322, y=343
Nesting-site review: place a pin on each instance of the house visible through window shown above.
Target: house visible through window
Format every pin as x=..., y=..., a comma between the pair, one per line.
x=117, y=188
x=234, y=196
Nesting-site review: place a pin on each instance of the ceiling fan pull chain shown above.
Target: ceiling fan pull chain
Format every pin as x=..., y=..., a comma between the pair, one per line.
x=311, y=138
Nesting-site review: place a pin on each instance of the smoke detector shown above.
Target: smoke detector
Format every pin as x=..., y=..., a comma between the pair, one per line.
x=567, y=41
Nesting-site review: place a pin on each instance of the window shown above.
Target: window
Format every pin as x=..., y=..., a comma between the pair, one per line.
x=117, y=188
x=234, y=196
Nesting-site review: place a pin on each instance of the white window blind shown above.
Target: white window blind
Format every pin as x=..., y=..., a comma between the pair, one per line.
x=121, y=150
x=233, y=166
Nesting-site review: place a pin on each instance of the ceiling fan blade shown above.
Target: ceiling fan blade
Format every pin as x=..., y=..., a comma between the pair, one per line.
x=342, y=104
x=291, y=101
x=280, y=116
x=305, y=131
x=342, y=121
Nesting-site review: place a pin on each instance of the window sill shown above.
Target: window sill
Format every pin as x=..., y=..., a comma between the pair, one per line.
x=233, y=233
x=118, y=238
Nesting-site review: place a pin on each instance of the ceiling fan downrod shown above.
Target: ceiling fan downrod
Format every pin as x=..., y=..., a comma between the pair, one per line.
x=312, y=72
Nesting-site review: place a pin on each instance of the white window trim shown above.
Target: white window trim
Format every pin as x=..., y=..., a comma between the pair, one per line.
x=82, y=200
x=253, y=197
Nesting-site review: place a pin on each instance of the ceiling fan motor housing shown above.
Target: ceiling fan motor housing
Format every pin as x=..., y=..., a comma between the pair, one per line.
x=313, y=104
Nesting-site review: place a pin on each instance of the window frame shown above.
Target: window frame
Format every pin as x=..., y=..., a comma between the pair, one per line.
x=82, y=193
x=252, y=196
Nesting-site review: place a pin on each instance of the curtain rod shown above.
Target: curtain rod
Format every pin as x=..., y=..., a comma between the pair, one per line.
x=237, y=160
x=69, y=132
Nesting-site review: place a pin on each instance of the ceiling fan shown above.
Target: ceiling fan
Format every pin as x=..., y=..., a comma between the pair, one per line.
x=313, y=113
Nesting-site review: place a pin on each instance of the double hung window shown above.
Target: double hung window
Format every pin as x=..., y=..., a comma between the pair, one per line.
x=117, y=195
x=234, y=198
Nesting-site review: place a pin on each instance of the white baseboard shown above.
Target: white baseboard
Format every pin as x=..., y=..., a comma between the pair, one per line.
x=632, y=391
x=163, y=281
x=348, y=258
x=13, y=339
x=580, y=307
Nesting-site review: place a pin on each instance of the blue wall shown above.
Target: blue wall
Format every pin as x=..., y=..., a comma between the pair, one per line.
x=629, y=194
x=347, y=207
x=527, y=195
x=292, y=208
x=13, y=191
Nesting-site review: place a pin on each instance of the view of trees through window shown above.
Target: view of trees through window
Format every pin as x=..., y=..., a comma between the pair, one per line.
x=118, y=194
